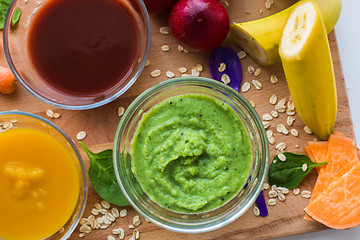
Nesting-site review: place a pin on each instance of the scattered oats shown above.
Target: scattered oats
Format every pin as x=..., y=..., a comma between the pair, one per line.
x=94, y=211
x=281, y=157
x=304, y=167
x=57, y=115
x=165, y=48
x=164, y=30
x=306, y=194
x=280, y=106
x=257, y=72
x=131, y=226
x=105, y=204
x=251, y=69
x=103, y=211
x=122, y=233
x=81, y=135
x=115, y=231
x=267, y=117
x=308, y=130
x=226, y=3
x=136, y=234
x=281, y=197
x=245, y=87
x=272, y=202
x=147, y=63
x=225, y=79
x=81, y=235
x=252, y=103
x=280, y=146
x=273, y=99
x=274, y=161
x=267, y=5
x=266, y=186
x=290, y=120
x=110, y=217
x=98, y=206
x=7, y=125
x=50, y=113
x=294, y=132
x=290, y=105
x=283, y=190
x=273, y=79
x=272, y=194
x=110, y=238
x=195, y=72
x=186, y=75
x=123, y=213
x=85, y=229
x=84, y=221
x=100, y=220
x=282, y=129
x=155, y=73
x=169, y=74
x=271, y=140
x=180, y=48
x=182, y=70
x=199, y=67
x=115, y=212
x=274, y=113
x=222, y=67
x=274, y=187
x=266, y=124
x=136, y=221
x=261, y=11
x=257, y=84
x=297, y=145
x=269, y=133
x=62, y=229
x=241, y=55
x=290, y=112
x=256, y=211
x=121, y=111
x=91, y=218
x=185, y=50
x=14, y=121
x=296, y=191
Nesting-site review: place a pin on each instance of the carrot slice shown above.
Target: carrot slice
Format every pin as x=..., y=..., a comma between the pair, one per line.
x=319, y=151
x=338, y=206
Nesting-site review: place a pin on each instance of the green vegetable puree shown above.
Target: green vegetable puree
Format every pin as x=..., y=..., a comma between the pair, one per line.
x=191, y=153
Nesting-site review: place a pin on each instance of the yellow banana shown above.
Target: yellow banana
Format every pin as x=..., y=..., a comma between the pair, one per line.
x=260, y=38
x=306, y=59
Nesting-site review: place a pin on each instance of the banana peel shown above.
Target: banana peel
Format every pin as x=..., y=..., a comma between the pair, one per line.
x=260, y=38
x=306, y=58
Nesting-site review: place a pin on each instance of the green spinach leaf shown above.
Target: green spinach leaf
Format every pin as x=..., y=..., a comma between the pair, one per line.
x=16, y=16
x=290, y=173
x=4, y=6
x=102, y=176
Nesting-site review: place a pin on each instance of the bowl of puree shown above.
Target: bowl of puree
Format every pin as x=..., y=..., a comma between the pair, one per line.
x=190, y=154
x=42, y=179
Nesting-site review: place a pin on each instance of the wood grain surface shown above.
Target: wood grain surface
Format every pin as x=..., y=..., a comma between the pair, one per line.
x=285, y=218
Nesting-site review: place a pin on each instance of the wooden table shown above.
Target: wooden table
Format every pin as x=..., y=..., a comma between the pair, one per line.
x=286, y=218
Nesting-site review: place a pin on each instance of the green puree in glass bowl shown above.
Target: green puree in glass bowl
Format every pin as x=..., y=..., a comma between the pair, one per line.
x=191, y=153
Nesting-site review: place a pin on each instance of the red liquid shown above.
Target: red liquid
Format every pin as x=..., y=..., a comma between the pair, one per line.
x=83, y=47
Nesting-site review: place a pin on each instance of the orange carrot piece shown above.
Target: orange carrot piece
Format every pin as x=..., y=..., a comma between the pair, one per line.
x=341, y=157
x=7, y=80
x=338, y=206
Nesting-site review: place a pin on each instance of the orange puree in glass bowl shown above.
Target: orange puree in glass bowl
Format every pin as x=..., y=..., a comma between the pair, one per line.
x=39, y=184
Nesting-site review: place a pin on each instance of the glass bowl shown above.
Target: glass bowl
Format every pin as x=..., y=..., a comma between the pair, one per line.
x=190, y=222
x=10, y=120
x=16, y=48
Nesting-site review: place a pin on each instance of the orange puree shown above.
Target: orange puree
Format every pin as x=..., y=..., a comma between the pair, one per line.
x=39, y=184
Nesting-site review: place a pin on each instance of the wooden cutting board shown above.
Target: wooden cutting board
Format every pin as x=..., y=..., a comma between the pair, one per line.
x=285, y=218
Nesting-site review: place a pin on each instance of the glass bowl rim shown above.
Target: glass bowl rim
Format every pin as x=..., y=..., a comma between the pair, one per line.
x=79, y=158
x=117, y=94
x=224, y=89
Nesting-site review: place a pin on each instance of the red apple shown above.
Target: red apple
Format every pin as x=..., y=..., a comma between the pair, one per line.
x=199, y=25
x=159, y=6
